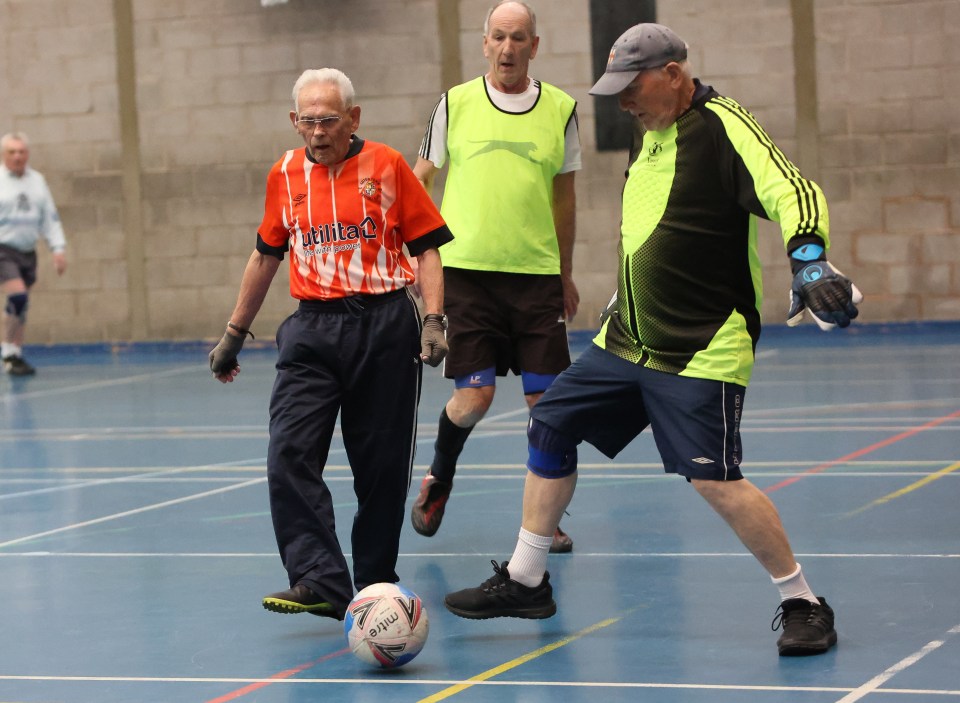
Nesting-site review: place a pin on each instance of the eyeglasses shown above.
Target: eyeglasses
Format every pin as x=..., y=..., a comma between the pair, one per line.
x=311, y=123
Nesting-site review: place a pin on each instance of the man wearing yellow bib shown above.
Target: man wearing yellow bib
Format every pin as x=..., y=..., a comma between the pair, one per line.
x=512, y=146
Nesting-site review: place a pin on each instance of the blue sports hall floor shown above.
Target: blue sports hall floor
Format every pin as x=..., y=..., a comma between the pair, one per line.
x=136, y=544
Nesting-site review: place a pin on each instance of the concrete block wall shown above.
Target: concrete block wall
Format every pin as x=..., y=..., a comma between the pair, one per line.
x=889, y=74
x=213, y=81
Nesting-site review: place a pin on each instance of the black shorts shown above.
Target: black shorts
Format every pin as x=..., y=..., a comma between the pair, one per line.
x=508, y=321
x=18, y=264
x=607, y=401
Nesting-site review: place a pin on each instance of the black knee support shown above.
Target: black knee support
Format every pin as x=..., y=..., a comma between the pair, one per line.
x=17, y=305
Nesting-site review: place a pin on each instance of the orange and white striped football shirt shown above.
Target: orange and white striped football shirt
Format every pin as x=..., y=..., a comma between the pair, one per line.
x=346, y=225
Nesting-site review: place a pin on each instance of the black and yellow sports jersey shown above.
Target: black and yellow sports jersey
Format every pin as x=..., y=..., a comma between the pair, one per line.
x=689, y=287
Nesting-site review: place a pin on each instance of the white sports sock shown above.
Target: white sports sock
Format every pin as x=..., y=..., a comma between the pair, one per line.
x=529, y=560
x=8, y=349
x=794, y=586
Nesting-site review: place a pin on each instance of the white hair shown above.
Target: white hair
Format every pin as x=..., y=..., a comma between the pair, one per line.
x=13, y=137
x=525, y=6
x=331, y=76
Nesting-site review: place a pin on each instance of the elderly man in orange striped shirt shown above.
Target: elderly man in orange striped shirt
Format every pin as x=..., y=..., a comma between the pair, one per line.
x=344, y=208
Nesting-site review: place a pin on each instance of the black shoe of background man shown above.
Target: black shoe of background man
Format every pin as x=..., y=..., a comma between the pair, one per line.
x=427, y=511
x=16, y=366
x=562, y=542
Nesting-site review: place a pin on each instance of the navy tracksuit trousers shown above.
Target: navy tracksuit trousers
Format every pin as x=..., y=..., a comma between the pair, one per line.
x=359, y=357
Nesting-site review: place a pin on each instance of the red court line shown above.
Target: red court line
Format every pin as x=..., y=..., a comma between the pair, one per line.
x=276, y=677
x=860, y=452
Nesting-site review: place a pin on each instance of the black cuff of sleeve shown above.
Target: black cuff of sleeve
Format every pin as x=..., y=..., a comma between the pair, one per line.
x=430, y=240
x=267, y=250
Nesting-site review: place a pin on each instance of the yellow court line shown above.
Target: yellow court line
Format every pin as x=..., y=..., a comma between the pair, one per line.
x=512, y=664
x=907, y=489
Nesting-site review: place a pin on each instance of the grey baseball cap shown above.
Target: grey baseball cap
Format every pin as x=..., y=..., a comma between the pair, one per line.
x=642, y=46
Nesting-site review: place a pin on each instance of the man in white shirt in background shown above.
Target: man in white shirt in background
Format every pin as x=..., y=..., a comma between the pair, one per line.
x=27, y=213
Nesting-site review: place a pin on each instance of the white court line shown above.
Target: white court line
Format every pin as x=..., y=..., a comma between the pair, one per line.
x=873, y=685
x=246, y=465
x=511, y=413
x=64, y=484
x=120, y=479
x=10, y=397
x=824, y=425
x=516, y=473
x=846, y=407
x=749, y=428
x=871, y=382
x=427, y=430
x=394, y=681
x=127, y=513
x=755, y=426
x=459, y=555
x=872, y=418
x=124, y=432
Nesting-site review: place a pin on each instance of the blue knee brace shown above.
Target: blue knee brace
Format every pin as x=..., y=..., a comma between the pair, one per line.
x=477, y=379
x=17, y=306
x=551, y=453
x=536, y=382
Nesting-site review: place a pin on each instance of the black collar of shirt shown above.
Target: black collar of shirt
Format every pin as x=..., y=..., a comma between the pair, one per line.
x=356, y=146
x=700, y=90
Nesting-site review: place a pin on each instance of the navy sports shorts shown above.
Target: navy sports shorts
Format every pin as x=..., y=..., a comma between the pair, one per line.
x=507, y=321
x=607, y=401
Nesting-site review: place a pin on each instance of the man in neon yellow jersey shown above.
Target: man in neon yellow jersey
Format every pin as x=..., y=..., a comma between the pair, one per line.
x=513, y=147
x=677, y=350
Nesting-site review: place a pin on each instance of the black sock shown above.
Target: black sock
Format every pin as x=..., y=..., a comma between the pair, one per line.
x=447, y=448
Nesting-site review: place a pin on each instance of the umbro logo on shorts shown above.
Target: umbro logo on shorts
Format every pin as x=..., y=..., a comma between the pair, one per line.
x=702, y=460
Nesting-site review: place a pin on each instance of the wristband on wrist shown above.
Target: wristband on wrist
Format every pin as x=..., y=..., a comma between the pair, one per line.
x=242, y=330
x=437, y=316
x=808, y=252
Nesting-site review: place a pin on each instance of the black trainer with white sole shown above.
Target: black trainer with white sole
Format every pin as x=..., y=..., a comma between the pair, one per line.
x=502, y=597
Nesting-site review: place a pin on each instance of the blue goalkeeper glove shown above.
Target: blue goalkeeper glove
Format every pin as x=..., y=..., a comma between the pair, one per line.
x=829, y=296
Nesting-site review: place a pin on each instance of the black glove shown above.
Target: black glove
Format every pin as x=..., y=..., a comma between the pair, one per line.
x=223, y=358
x=830, y=296
x=433, y=339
